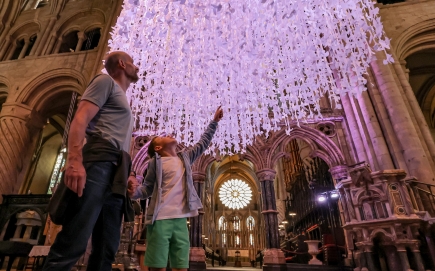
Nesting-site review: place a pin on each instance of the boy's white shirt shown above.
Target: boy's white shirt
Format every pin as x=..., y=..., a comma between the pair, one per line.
x=173, y=201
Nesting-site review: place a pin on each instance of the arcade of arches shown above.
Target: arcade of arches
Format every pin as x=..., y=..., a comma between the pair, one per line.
x=357, y=186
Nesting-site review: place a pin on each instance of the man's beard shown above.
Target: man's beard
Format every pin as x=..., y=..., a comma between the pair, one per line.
x=133, y=77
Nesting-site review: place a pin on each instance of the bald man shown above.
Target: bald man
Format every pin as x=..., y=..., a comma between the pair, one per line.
x=95, y=171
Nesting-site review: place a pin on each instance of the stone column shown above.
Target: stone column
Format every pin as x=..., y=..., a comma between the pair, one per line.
x=370, y=263
x=273, y=256
x=360, y=151
x=404, y=261
x=417, y=257
x=413, y=151
x=11, y=50
x=385, y=122
x=375, y=134
x=14, y=140
x=82, y=38
x=5, y=47
x=51, y=44
x=32, y=52
x=197, y=253
x=394, y=261
x=58, y=44
x=26, y=45
x=42, y=42
x=4, y=40
x=415, y=107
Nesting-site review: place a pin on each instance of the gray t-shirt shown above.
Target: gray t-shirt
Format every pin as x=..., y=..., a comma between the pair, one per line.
x=114, y=121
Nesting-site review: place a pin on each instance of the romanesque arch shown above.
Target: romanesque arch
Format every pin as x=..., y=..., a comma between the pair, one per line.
x=416, y=52
x=50, y=84
x=71, y=32
x=20, y=41
x=416, y=38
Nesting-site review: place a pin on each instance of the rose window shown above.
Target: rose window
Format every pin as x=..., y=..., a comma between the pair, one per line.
x=235, y=194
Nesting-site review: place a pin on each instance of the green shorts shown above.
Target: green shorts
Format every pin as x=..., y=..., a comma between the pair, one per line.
x=168, y=237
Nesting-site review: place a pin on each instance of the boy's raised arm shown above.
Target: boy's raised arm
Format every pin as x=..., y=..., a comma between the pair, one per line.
x=200, y=147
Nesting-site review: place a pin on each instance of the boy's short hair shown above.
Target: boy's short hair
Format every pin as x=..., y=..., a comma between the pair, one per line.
x=151, y=147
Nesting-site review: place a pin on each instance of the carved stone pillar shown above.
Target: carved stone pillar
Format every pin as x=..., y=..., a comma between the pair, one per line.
x=5, y=47
x=11, y=50
x=339, y=173
x=82, y=38
x=24, y=49
x=58, y=44
x=41, y=43
x=404, y=261
x=14, y=140
x=273, y=256
x=417, y=257
x=394, y=260
x=197, y=253
x=370, y=263
x=346, y=200
x=403, y=126
x=51, y=44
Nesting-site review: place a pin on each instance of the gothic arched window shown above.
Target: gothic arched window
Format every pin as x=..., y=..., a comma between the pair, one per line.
x=236, y=223
x=250, y=223
x=222, y=223
x=57, y=173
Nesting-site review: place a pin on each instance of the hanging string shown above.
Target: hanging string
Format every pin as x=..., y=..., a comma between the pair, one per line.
x=68, y=119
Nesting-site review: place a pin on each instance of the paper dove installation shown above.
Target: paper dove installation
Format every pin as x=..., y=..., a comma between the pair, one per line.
x=267, y=62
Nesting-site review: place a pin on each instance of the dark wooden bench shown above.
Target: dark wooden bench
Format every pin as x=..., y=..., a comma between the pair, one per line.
x=13, y=250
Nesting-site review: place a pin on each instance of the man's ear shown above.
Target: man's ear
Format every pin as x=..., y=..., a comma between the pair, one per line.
x=121, y=63
x=157, y=148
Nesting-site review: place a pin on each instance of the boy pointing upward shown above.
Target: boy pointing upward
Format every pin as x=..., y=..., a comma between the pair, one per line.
x=169, y=182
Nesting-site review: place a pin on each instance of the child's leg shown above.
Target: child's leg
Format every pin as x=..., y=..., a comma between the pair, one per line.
x=179, y=245
x=157, y=249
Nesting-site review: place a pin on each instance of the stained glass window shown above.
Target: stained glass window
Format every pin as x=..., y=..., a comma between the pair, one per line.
x=235, y=194
x=57, y=174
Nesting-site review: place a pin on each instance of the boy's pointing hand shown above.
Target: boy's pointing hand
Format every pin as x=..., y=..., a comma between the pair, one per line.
x=219, y=114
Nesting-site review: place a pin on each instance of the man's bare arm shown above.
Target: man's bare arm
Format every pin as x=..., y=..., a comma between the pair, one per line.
x=75, y=174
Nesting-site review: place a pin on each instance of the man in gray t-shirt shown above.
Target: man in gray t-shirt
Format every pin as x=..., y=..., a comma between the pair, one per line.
x=114, y=120
x=104, y=118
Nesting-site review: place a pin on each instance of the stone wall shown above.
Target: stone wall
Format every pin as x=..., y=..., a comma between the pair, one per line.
x=37, y=81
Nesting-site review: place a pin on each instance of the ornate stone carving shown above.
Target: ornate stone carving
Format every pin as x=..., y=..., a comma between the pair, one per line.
x=328, y=128
x=140, y=141
x=266, y=175
x=339, y=172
